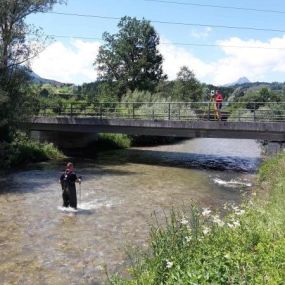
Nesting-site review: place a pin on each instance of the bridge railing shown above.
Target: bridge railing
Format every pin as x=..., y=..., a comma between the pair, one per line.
x=175, y=111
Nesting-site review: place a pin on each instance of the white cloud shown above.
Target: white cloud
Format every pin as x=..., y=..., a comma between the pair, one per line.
x=252, y=62
x=73, y=63
x=257, y=64
x=175, y=57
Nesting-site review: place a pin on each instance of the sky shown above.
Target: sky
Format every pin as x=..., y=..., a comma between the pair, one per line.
x=219, y=40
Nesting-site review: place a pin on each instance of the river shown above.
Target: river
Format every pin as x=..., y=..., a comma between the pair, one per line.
x=42, y=244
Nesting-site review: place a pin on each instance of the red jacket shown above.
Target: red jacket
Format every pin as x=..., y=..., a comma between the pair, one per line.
x=219, y=98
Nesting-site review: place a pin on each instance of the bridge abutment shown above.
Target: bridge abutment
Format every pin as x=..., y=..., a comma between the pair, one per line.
x=273, y=147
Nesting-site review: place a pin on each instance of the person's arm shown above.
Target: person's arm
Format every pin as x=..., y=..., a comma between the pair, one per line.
x=74, y=178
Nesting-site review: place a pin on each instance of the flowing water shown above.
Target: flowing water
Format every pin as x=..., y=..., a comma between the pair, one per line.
x=40, y=243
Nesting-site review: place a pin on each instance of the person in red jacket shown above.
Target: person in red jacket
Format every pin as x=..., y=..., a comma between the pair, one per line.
x=218, y=104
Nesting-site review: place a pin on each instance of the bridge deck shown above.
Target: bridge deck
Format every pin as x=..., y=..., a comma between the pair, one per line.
x=273, y=131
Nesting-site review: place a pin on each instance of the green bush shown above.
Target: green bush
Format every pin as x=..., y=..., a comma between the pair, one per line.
x=113, y=141
x=197, y=246
x=23, y=150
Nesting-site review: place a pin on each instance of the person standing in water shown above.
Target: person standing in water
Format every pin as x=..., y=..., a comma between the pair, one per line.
x=67, y=181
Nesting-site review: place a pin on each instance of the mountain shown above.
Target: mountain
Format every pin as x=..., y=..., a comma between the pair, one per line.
x=240, y=81
x=35, y=78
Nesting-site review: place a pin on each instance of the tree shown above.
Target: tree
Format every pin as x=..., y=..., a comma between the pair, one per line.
x=19, y=43
x=14, y=45
x=256, y=98
x=130, y=58
x=3, y=100
x=187, y=87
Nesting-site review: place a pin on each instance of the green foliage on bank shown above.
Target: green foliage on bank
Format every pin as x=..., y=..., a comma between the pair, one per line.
x=23, y=150
x=113, y=141
x=197, y=246
x=107, y=141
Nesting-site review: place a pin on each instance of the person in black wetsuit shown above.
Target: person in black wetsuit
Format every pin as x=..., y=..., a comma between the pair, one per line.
x=67, y=181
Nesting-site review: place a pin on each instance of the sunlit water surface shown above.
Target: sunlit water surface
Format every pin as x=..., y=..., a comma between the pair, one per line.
x=40, y=243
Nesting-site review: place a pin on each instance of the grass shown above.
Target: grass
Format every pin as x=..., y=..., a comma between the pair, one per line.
x=196, y=246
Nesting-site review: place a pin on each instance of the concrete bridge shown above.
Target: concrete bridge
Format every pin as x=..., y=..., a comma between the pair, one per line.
x=64, y=127
x=255, y=120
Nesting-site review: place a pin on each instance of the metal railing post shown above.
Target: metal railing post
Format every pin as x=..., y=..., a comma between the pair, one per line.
x=254, y=115
x=101, y=111
x=71, y=110
x=133, y=110
x=209, y=111
x=169, y=110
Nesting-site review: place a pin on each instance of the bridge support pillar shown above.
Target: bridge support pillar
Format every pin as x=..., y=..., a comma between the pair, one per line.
x=272, y=148
x=64, y=139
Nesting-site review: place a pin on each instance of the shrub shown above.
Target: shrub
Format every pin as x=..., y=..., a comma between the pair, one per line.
x=23, y=150
x=113, y=141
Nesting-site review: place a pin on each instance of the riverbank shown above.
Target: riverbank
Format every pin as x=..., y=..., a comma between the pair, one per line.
x=197, y=246
x=22, y=150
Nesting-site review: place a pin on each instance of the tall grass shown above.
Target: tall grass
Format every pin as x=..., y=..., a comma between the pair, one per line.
x=197, y=246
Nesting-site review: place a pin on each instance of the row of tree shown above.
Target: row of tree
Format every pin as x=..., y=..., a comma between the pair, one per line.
x=185, y=88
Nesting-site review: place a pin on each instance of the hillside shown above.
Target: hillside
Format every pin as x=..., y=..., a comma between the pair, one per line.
x=35, y=78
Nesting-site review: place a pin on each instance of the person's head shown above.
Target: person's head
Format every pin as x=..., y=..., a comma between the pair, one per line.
x=70, y=166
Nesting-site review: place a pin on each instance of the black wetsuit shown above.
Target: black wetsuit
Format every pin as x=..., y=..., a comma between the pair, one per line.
x=67, y=180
